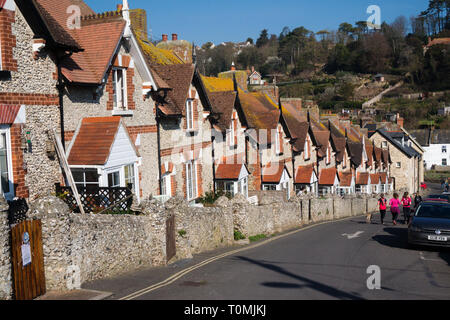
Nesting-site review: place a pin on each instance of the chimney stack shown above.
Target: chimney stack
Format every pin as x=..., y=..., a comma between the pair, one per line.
x=164, y=37
x=174, y=37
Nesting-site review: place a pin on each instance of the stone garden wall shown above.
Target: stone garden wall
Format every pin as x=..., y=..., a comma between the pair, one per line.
x=5, y=257
x=80, y=248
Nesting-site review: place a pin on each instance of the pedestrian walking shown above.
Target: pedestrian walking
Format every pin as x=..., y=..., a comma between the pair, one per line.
x=443, y=185
x=394, y=203
x=417, y=200
x=406, y=203
x=423, y=186
x=382, y=203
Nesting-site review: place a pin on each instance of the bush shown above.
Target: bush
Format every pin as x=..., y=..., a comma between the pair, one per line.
x=257, y=237
x=210, y=197
x=238, y=235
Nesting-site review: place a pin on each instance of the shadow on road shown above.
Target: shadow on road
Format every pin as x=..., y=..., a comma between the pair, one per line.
x=397, y=237
x=308, y=283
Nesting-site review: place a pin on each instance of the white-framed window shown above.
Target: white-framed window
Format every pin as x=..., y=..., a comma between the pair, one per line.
x=190, y=114
x=191, y=180
x=114, y=179
x=7, y=185
x=120, y=88
x=277, y=142
x=306, y=149
x=444, y=149
x=444, y=162
x=398, y=164
x=268, y=187
x=231, y=135
x=166, y=185
x=384, y=144
x=129, y=176
x=328, y=154
x=85, y=177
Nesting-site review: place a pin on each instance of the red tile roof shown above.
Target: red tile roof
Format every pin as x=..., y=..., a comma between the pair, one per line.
x=369, y=151
x=374, y=178
x=8, y=113
x=94, y=140
x=228, y=171
x=345, y=179
x=362, y=178
x=327, y=176
x=272, y=172
x=304, y=174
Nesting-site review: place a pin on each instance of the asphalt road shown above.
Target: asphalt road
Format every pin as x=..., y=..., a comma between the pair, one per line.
x=326, y=261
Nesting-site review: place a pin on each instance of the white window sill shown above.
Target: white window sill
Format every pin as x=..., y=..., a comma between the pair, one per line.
x=118, y=112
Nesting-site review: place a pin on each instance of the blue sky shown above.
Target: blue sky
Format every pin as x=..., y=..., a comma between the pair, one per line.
x=236, y=20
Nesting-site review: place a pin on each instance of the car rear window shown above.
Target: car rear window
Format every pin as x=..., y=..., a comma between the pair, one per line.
x=431, y=210
x=438, y=196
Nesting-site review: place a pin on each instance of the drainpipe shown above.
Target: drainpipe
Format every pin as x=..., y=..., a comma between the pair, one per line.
x=61, y=86
x=213, y=160
x=158, y=138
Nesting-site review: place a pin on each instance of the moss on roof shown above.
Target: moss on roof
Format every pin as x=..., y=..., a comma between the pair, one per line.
x=158, y=55
x=213, y=84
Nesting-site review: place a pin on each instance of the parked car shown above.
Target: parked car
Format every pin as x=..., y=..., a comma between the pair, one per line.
x=430, y=224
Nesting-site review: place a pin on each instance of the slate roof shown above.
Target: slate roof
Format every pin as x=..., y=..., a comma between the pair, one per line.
x=422, y=136
x=408, y=151
x=356, y=150
x=440, y=136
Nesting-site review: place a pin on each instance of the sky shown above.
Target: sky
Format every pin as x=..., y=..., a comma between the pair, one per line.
x=200, y=21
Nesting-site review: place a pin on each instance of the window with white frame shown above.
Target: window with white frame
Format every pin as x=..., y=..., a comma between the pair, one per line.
x=384, y=144
x=398, y=165
x=444, y=149
x=328, y=154
x=85, y=177
x=268, y=187
x=306, y=149
x=120, y=88
x=444, y=162
x=5, y=166
x=191, y=180
x=277, y=142
x=231, y=135
x=114, y=179
x=129, y=176
x=166, y=185
x=190, y=114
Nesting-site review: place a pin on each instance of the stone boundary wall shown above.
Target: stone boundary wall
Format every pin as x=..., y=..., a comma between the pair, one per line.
x=5, y=254
x=81, y=248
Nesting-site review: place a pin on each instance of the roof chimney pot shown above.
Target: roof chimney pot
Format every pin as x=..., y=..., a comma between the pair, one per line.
x=174, y=36
x=164, y=37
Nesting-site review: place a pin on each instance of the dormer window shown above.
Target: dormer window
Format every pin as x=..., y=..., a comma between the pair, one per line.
x=189, y=115
x=120, y=89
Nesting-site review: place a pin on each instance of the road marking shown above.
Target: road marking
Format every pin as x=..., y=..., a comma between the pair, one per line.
x=426, y=259
x=181, y=273
x=354, y=235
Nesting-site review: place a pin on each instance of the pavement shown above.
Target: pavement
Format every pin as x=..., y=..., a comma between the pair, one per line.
x=331, y=260
x=81, y=294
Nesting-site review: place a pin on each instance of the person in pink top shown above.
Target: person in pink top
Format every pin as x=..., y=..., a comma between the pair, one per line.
x=394, y=203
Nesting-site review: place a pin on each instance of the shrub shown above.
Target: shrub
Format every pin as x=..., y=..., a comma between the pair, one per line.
x=238, y=235
x=257, y=237
x=210, y=197
x=182, y=233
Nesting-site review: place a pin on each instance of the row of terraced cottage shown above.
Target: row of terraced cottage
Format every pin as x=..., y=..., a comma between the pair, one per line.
x=131, y=112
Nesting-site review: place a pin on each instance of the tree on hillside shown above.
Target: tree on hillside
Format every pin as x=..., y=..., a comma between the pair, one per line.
x=263, y=38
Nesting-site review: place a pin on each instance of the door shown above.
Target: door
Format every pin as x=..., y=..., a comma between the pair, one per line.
x=6, y=185
x=28, y=260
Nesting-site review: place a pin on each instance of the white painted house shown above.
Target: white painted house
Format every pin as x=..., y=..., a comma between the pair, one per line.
x=436, y=143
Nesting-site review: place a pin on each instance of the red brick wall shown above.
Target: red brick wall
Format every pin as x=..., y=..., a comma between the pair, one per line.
x=20, y=190
x=109, y=88
x=130, y=89
x=7, y=40
x=199, y=180
x=29, y=99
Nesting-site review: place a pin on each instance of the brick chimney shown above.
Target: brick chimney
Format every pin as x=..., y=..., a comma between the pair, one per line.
x=164, y=37
x=119, y=7
x=174, y=37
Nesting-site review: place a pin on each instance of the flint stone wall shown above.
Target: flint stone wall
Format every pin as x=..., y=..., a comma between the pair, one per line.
x=79, y=248
x=5, y=256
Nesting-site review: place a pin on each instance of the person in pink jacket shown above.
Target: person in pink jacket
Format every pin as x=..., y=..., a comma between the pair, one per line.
x=394, y=203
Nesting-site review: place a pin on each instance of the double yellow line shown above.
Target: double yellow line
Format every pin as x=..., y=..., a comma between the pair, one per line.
x=180, y=274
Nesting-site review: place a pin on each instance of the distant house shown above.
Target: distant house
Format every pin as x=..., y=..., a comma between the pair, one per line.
x=436, y=143
x=255, y=78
